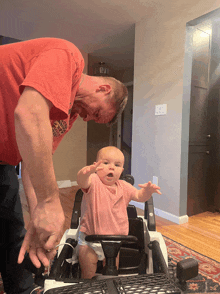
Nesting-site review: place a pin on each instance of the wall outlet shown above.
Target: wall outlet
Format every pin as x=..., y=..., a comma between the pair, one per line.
x=155, y=180
x=161, y=109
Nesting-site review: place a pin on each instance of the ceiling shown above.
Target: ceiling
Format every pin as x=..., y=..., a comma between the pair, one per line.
x=100, y=27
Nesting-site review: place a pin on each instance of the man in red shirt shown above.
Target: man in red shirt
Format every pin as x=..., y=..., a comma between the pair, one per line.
x=42, y=92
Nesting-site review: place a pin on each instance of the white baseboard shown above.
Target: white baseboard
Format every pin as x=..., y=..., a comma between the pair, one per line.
x=66, y=184
x=166, y=215
x=171, y=217
x=74, y=183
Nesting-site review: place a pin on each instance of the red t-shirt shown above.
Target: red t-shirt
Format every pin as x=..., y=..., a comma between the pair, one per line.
x=51, y=66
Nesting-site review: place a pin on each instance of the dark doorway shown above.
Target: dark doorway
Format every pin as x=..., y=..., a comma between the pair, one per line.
x=204, y=159
x=126, y=131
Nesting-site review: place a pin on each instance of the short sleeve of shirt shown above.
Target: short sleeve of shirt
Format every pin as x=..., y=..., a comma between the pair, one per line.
x=128, y=190
x=54, y=73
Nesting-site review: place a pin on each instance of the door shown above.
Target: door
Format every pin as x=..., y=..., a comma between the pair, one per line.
x=126, y=131
x=204, y=132
x=199, y=189
x=97, y=138
x=121, y=133
x=214, y=117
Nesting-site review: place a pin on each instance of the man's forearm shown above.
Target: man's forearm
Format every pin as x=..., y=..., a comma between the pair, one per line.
x=28, y=189
x=34, y=138
x=36, y=152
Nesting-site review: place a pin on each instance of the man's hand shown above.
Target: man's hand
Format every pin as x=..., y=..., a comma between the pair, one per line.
x=44, y=232
x=147, y=190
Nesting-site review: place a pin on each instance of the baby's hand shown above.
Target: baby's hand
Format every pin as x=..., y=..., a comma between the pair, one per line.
x=150, y=188
x=90, y=169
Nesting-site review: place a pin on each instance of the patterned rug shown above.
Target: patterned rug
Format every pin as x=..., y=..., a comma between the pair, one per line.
x=208, y=280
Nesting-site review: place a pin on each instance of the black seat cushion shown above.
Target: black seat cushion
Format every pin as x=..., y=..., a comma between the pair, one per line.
x=131, y=211
x=132, y=255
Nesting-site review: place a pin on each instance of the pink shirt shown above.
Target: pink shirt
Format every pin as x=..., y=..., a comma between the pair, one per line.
x=104, y=208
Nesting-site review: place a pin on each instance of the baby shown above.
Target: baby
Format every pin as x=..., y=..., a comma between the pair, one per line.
x=104, y=204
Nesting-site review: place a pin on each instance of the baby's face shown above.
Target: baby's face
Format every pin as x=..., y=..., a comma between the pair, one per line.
x=113, y=162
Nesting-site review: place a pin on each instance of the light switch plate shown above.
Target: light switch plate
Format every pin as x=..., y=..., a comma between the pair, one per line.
x=155, y=180
x=161, y=109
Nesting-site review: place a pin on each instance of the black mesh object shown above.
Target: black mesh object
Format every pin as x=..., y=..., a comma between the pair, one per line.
x=146, y=284
x=140, y=284
x=95, y=287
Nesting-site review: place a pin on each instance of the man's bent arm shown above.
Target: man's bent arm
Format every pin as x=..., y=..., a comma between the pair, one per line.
x=34, y=138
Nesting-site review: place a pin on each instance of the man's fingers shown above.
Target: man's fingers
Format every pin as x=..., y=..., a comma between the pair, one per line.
x=24, y=247
x=43, y=237
x=25, y=244
x=21, y=254
x=51, y=254
x=34, y=258
x=51, y=242
x=42, y=256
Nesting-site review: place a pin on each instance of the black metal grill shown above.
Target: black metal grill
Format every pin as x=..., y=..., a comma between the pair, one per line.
x=140, y=284
x=146, y=284
x=97, y=287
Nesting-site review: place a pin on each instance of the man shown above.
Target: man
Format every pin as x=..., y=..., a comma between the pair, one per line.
x=42, y=92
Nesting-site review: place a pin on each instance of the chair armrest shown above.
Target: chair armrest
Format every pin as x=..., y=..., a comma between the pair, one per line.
x=149, y=214
x=76, y=210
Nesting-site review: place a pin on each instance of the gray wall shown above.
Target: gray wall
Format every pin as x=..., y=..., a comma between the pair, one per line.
x=160, y=143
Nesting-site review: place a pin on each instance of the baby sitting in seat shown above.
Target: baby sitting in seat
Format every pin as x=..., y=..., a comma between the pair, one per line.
x=104, y=204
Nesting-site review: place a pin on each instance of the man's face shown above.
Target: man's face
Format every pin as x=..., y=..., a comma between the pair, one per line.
x=98, y=109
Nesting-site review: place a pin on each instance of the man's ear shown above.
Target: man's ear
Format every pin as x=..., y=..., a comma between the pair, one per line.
x=104, y=88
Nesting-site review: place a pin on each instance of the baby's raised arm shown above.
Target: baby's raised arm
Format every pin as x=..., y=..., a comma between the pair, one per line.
x=146, y=192
x=83, y=176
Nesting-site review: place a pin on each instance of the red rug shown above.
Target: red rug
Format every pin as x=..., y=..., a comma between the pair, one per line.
x=208, y=280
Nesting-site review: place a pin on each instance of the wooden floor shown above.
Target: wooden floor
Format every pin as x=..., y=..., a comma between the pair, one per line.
x=201, y=233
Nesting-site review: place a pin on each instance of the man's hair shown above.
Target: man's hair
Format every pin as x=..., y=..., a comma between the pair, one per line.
x=120, y=96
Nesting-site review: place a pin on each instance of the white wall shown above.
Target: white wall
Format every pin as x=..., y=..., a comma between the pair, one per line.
x=158, y=79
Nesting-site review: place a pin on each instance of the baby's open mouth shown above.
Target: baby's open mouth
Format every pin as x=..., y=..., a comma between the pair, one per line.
x=110, y=175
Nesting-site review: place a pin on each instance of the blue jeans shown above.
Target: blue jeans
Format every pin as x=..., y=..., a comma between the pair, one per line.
x=16, y=279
